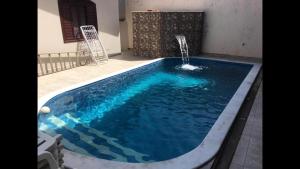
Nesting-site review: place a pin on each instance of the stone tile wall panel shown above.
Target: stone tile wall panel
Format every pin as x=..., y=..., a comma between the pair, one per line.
x=154, y=33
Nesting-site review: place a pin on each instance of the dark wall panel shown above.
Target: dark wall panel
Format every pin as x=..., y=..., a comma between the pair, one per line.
x=154, y=33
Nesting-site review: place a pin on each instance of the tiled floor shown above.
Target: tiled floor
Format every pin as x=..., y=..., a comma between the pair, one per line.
x=52, y=82
x=248, y=154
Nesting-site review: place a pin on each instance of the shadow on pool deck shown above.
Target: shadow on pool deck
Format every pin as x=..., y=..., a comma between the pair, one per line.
x=128, y=56
x=249, y=150
x=242, y=147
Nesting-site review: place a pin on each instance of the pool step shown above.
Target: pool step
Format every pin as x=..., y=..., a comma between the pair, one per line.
x=111, y=141
x=87, y=139
x=68, y=144
x=63, y=123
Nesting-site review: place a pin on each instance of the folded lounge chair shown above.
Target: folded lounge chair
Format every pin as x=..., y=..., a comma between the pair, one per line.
x=49, y=152
x=97, y=50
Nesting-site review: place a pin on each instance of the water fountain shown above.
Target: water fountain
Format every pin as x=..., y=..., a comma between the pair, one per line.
x=184, y=49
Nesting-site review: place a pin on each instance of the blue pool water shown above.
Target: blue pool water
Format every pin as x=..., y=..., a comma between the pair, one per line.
x=152, y=113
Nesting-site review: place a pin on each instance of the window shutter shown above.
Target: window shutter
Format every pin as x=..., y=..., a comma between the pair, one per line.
x=66, y=20
x=91, y=14
x=73, y=14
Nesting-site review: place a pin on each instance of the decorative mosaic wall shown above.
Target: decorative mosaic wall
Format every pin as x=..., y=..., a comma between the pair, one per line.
x=154, y=33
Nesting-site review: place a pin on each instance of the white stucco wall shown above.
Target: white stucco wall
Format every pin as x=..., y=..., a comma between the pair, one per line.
x=231, y=27
x=50, y=38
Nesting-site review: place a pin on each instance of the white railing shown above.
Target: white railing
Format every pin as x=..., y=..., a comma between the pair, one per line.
x=49, y=63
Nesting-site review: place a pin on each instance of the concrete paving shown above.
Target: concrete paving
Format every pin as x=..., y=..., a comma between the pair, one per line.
x=248, y=154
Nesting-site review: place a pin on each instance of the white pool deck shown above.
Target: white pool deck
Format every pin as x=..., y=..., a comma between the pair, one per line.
x=60, y=80
x=57, y=81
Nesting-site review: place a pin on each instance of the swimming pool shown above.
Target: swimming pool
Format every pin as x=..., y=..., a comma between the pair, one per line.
x=152, y=113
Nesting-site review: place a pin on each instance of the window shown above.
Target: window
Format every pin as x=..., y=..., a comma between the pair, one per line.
x=73, y=14
x=122, y=10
